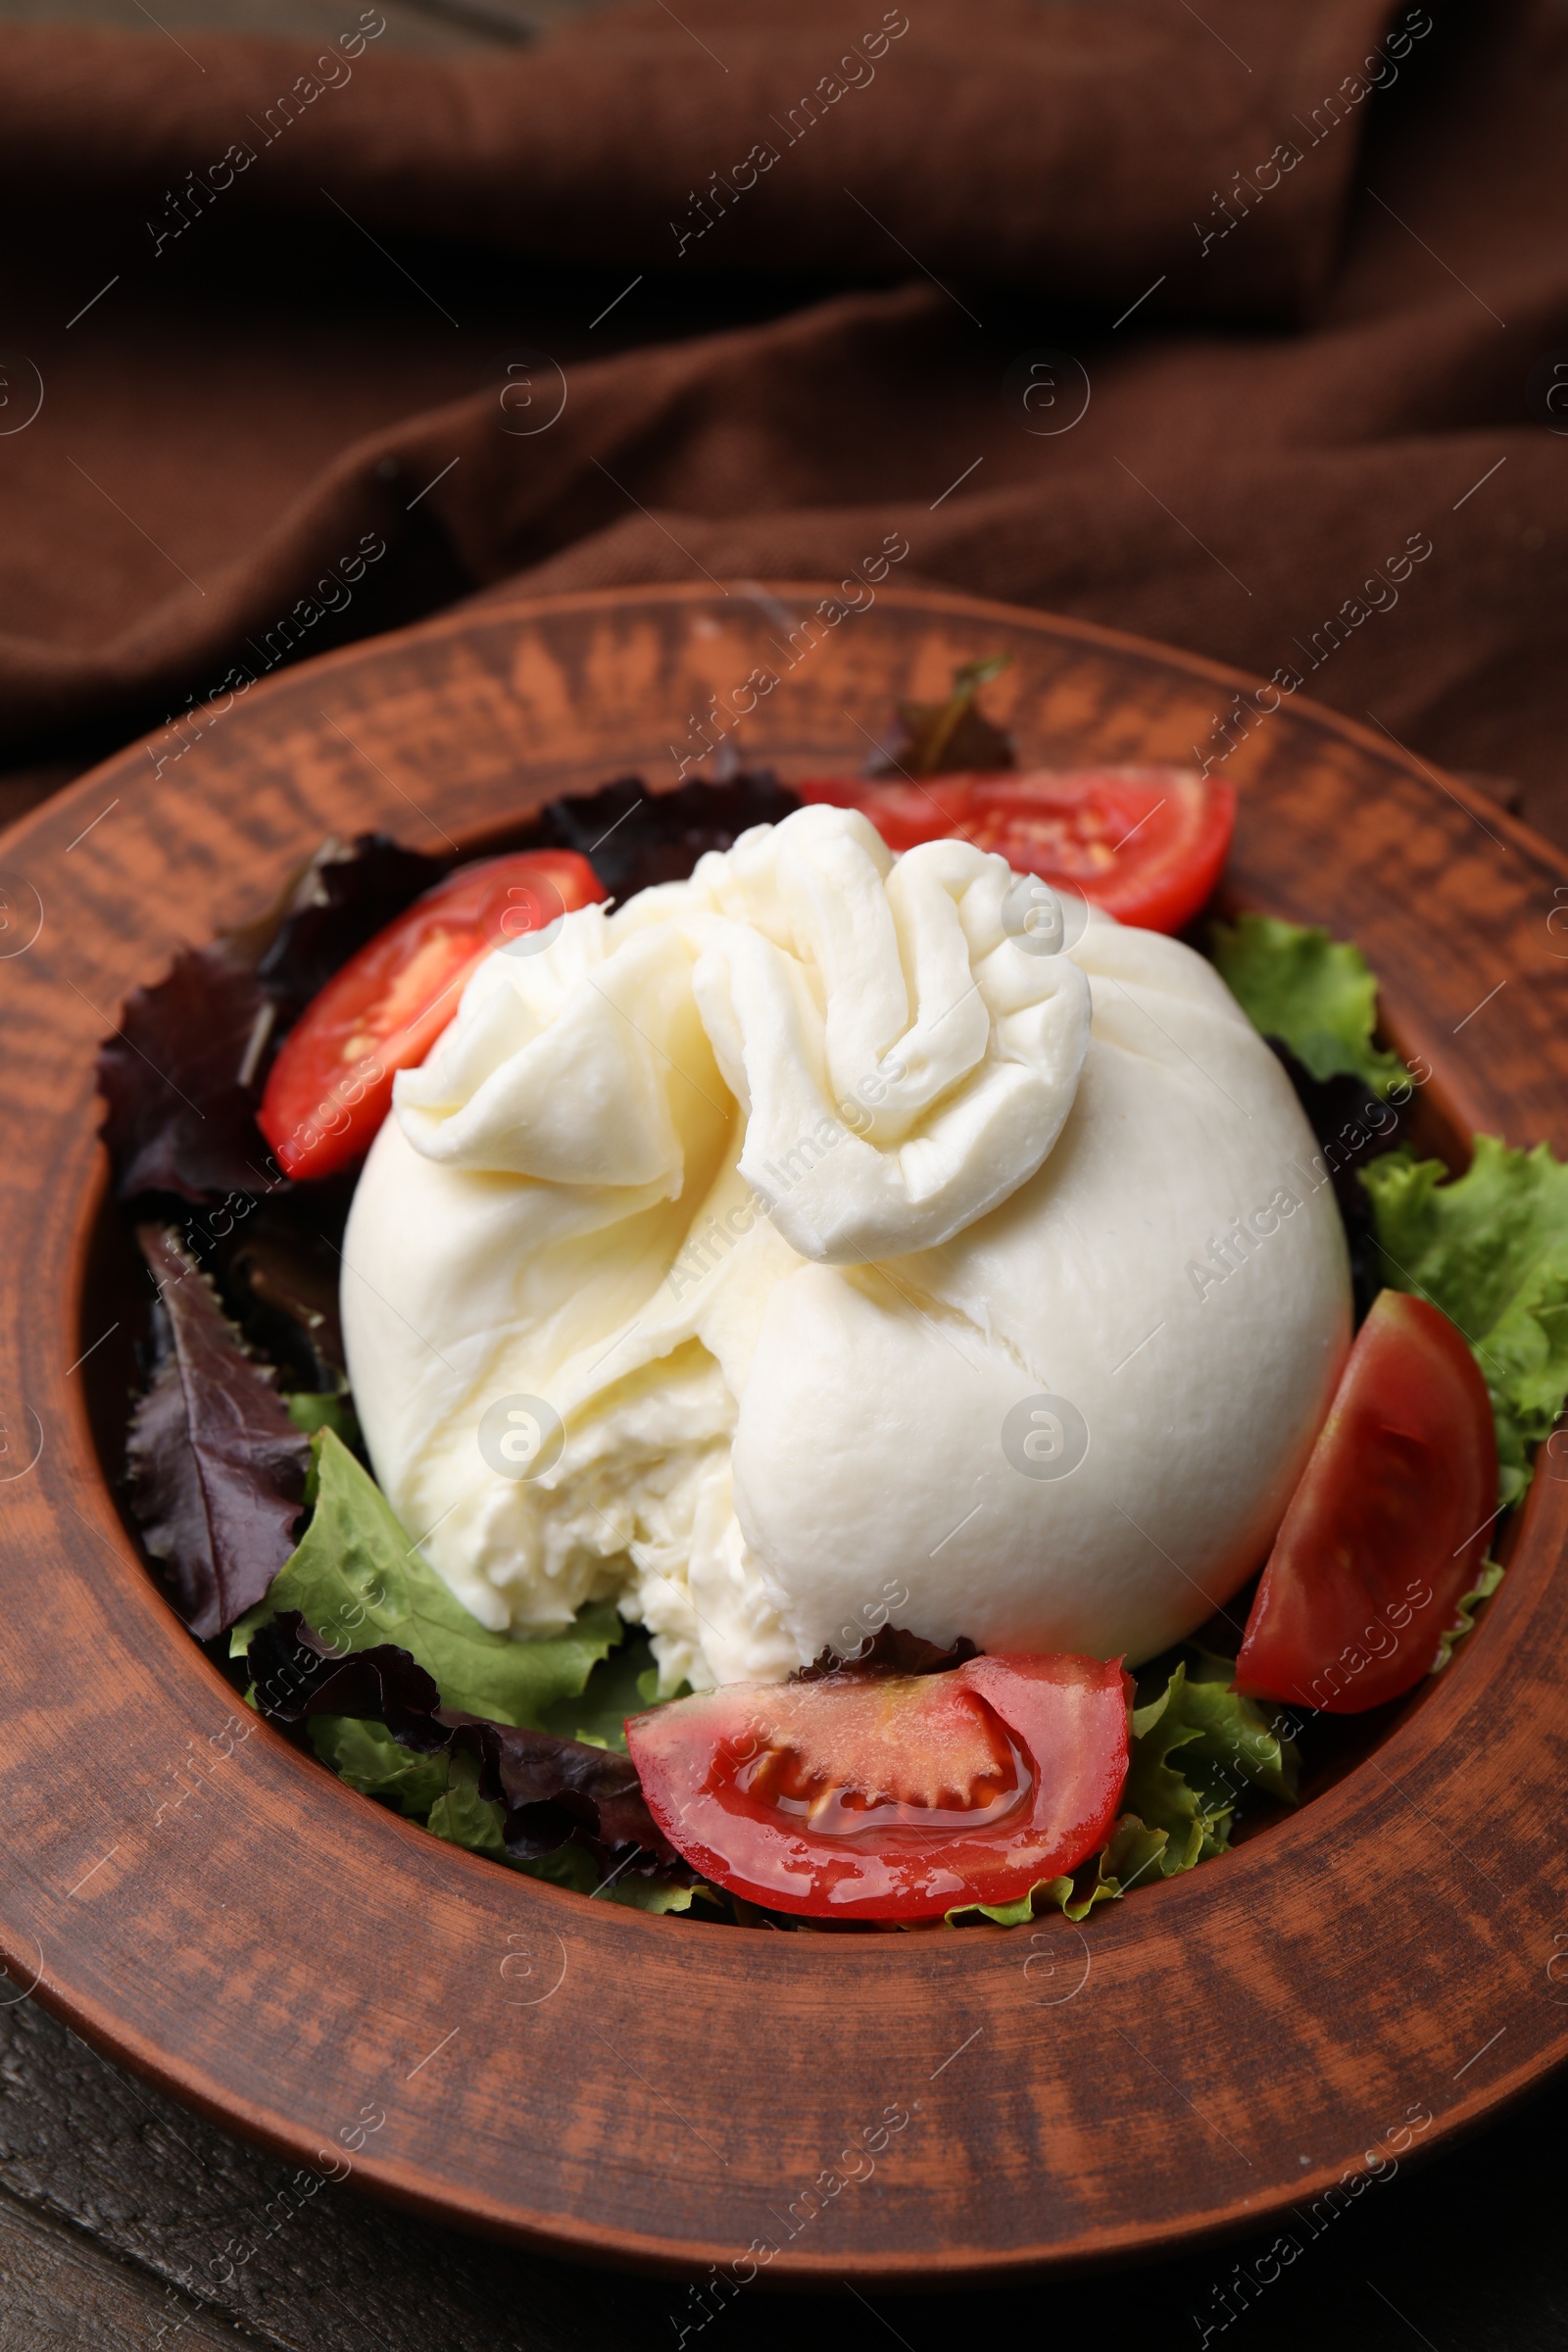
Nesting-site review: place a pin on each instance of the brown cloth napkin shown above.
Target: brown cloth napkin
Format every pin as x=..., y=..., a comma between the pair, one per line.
x=1247, y=331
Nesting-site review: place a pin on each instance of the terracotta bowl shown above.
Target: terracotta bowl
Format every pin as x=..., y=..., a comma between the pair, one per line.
x=296, y=1961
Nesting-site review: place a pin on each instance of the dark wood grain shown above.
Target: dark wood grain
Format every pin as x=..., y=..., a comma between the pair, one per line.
x=1244, y=2036
x=58, y=2288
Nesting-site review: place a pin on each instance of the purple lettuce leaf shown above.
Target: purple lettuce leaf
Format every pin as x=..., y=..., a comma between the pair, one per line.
x=216, y=1466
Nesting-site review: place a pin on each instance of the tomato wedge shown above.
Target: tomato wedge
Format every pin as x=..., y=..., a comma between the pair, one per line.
x=332, y=1085
x=892, y=1797
x=1389, y=1525
x=1147, y=844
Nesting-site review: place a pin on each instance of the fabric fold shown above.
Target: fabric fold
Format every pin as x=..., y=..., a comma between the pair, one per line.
x=1206, y=317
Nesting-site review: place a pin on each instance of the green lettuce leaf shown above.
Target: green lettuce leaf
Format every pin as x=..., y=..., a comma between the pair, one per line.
x=1485, y=1584
x=311, y=1409
x=1127, y=1856
x=357, y=1579
x=1197, y=1746
x=621, y=1685
x=464, y=1817
x=1314, y=992
x=369, y=1759
x=575, y=1867
x=638, y=1893
x=1491, y=1250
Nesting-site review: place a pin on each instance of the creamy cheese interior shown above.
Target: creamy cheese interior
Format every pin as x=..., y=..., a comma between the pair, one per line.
x=804, y=1246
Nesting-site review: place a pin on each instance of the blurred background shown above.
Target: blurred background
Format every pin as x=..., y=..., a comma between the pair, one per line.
x=452, y=26
x=410, y=24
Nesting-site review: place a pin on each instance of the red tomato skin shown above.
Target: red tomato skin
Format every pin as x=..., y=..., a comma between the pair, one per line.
x=1147, y=844
x=331, y=1086
x=1069, y=1715
x=1389, y=1526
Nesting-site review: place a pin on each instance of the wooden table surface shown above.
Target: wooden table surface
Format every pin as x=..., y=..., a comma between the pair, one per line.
x=125, y=2221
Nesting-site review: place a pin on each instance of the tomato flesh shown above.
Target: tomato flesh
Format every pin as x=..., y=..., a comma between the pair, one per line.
x=1147, y=844
x=1389, y=1526
x=892, y=1797
x=332, y=1085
